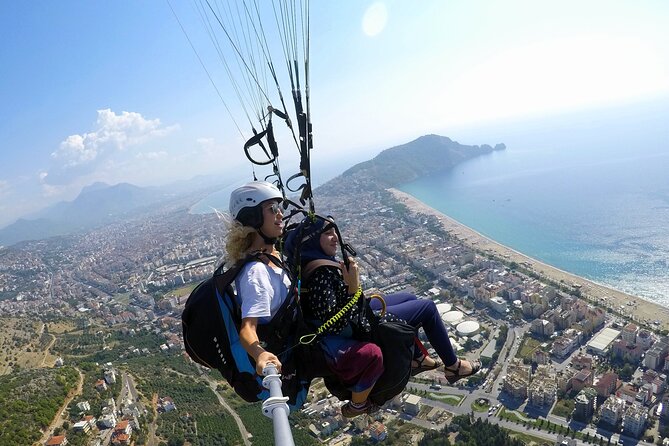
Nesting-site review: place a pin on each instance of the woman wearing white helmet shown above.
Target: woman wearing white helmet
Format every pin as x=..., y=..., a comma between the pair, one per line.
x=263, y=286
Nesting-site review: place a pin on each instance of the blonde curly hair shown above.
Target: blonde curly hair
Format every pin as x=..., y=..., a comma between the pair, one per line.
x=239, y=240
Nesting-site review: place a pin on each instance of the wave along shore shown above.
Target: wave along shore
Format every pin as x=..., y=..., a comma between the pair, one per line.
x=634, y=307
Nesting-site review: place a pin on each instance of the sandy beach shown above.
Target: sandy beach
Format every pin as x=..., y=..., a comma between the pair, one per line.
x=634, y=307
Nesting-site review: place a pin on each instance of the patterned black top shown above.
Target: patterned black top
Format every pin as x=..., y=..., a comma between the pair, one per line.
x=328, y=293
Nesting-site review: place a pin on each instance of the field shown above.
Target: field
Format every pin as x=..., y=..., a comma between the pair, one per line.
x=476, y=407
x=61, y=327
x=563, y=408
x=528, y=346
x=528, y=439
x=23, y=344
x=447, y=398
x=29, y=400
x=182, y=291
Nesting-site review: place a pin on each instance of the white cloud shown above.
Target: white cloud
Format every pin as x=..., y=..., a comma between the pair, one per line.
x=49, y=190
x=113, y=134
x=208, y=146
x=75, y=150
x=555, y=75
x=4, y=187
x=151, y=155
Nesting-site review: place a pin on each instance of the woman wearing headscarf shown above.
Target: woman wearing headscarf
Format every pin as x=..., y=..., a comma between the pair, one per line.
x=356, y=364
x=331, y=284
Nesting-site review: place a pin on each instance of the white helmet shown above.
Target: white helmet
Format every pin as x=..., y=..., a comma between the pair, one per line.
x=245, y=201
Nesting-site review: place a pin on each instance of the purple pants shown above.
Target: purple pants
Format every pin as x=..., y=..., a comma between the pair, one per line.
x=421, y=313
x=357, y=364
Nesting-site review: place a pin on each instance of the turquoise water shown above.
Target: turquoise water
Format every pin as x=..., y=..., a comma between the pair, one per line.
x=587, y=193
x=218, y=200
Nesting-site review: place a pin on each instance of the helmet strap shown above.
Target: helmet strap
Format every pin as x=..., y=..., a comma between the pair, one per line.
x=268, y=240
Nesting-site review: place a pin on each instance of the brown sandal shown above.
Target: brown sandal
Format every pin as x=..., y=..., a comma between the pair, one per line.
x=456, y=375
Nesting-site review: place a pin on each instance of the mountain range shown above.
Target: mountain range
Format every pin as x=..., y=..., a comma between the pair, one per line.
x=100, y=203
x=95, y=205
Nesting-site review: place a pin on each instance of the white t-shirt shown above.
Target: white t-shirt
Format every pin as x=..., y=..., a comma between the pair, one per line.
x=262, y=289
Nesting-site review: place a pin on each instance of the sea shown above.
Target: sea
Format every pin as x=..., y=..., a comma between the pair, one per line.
x=586, y=192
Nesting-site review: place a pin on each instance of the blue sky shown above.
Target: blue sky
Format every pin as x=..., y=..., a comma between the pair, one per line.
x=112, y=91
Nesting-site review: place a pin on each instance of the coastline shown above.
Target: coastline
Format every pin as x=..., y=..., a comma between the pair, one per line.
x=634, y=307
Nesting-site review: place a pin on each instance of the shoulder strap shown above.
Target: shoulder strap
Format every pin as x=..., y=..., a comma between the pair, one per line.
x=260, y=256
x=275, y=260
x=222, y=275
x=251, y=257
x=314, y=265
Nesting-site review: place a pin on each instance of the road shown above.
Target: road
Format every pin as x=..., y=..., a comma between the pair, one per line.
x=128, y=394
x=124, y=390
x=242, y=429
x=509, y=350
x=151, y=438
x=511, y=345
x=128, y=387
x=58, y=419
x=464, y=408
x=48, y=347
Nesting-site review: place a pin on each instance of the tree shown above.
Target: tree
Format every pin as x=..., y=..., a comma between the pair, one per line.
x=176, y=440
x=626, y=371
x=359, y=440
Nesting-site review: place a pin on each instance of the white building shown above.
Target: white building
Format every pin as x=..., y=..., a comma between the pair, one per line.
x=109, y=406
x=634, y=420
x=655, y=356
x=378, y=431
x=82, y=426
x=412, y=404
x=107, y=421
x=611, y=411
x=110, y=376
x=629, y=333
x=542, y=392
x=564, y=345
x=600, y=344
x=542, y=327
x=644, y=339
x=84, y=406
x=498, y=304
x=168, y=404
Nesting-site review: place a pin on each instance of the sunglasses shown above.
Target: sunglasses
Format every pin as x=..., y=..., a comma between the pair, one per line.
x=275, y=207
